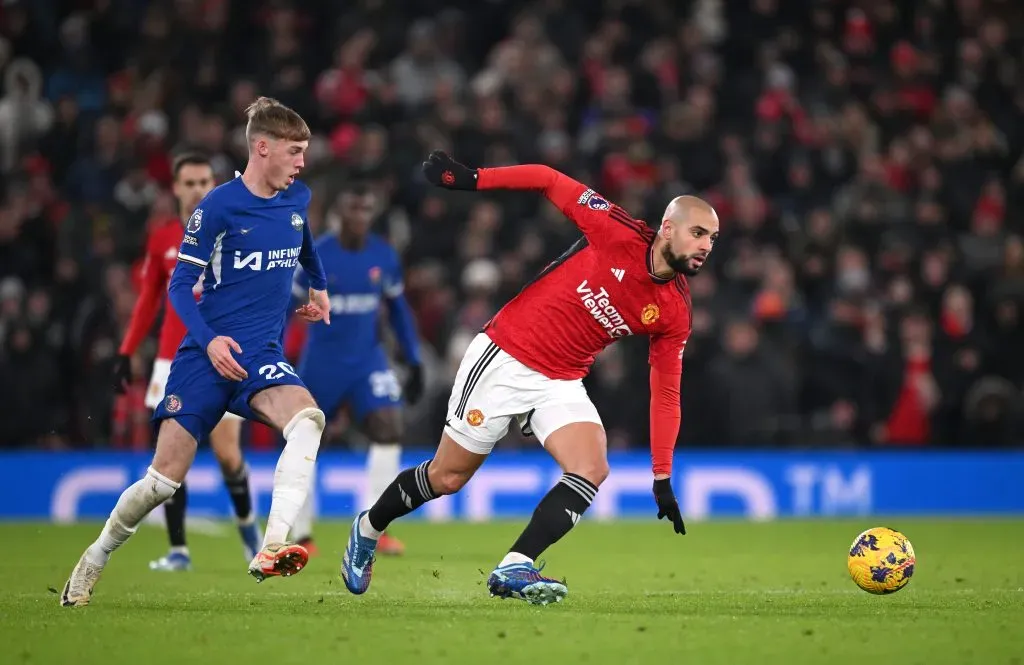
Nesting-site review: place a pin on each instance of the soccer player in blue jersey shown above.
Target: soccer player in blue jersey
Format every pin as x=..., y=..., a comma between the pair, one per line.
x=246, y=238
x=345, y=364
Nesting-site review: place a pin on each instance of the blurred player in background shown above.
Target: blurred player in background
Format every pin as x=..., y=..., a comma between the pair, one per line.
x=246, y=238
x=193, y=180
x=622, y=278
x=346, y=364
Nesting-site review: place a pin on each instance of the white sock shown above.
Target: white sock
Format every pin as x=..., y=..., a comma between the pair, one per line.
x=383, y=462
x=294, y=472
x=366, y=529
x=515, y=557
x=303, y=527
x=132, y=507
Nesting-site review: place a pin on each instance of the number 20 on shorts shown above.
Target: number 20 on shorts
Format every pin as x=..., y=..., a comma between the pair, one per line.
x=274, y=372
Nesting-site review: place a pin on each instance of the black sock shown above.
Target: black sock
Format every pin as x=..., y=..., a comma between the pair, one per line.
x=174, y=511
x=238, y=487
x=555, y=515
x=407, y=492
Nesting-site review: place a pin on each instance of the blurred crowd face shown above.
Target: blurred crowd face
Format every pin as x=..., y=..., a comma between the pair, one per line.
x=915, y=332
x=1013, y=255
x=741, y=339
x=853, y=272
x=21, y=340
x=356, y=210
x=958, y=303
x=192, y=184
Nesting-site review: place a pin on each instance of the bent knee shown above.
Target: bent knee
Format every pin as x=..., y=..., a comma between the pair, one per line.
x=311, y=414
x=444, y=481
x=581, y=449
x=596, y=471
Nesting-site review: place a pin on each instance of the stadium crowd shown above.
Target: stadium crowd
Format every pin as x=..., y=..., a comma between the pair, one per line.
x=864, y=157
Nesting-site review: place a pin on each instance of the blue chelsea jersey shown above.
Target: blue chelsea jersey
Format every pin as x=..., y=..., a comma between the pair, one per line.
x=248, y=248
x=359, y=282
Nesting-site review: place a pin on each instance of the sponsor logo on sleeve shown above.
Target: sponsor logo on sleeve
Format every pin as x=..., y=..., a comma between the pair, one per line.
x=593, y=201
x=195, y=222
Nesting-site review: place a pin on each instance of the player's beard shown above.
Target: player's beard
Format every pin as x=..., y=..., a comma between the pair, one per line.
x=681, y=264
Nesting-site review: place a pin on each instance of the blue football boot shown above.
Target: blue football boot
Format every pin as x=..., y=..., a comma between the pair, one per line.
x=357, y=563
x=172, y=562
x=524, y=581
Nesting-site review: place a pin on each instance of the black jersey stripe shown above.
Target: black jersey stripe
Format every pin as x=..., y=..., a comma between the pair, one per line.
x=573, y=250
x=622, y=217
x=684, y=290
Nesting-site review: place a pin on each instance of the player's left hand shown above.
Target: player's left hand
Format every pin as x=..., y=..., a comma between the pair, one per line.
x=413, y=388
x=667, y=504
x=318, y=307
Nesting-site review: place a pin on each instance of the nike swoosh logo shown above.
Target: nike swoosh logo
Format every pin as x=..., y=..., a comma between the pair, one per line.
x=310, y=459
x=244, y=231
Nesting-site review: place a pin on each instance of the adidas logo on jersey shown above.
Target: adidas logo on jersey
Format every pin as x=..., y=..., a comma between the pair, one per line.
x=619, y=273
x=575, y=517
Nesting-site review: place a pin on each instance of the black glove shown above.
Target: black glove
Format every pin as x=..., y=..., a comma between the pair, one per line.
x=667, y=505
x=413, y=388
x=122, y=373
x=443, y=171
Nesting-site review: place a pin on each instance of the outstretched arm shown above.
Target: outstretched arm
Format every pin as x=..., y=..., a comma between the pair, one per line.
x=559, y=188
x=600, y=220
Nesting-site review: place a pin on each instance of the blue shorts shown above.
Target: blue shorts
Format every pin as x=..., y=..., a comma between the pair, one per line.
x=197, y=396
x=365, y=385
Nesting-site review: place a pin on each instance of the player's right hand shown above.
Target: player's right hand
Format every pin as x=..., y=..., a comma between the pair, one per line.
x=443, y=171
x=122, y=373
x=219, y=350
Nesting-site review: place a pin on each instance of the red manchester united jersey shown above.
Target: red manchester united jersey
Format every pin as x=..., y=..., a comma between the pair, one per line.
x=161, y=257
x=601, y=289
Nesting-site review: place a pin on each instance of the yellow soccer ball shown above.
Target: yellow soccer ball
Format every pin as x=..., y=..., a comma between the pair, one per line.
x=881, y=560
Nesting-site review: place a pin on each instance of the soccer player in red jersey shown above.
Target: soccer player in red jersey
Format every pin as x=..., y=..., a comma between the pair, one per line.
x=622, y=278
x=193, y=180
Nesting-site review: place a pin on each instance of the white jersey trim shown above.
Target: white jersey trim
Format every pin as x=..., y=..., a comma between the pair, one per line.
x=191, y=259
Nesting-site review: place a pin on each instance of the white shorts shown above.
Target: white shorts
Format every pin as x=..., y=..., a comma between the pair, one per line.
x=492, y=388
x=158, y=386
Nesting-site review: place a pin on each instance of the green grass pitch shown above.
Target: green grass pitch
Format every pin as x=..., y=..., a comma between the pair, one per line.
x=727, y=593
